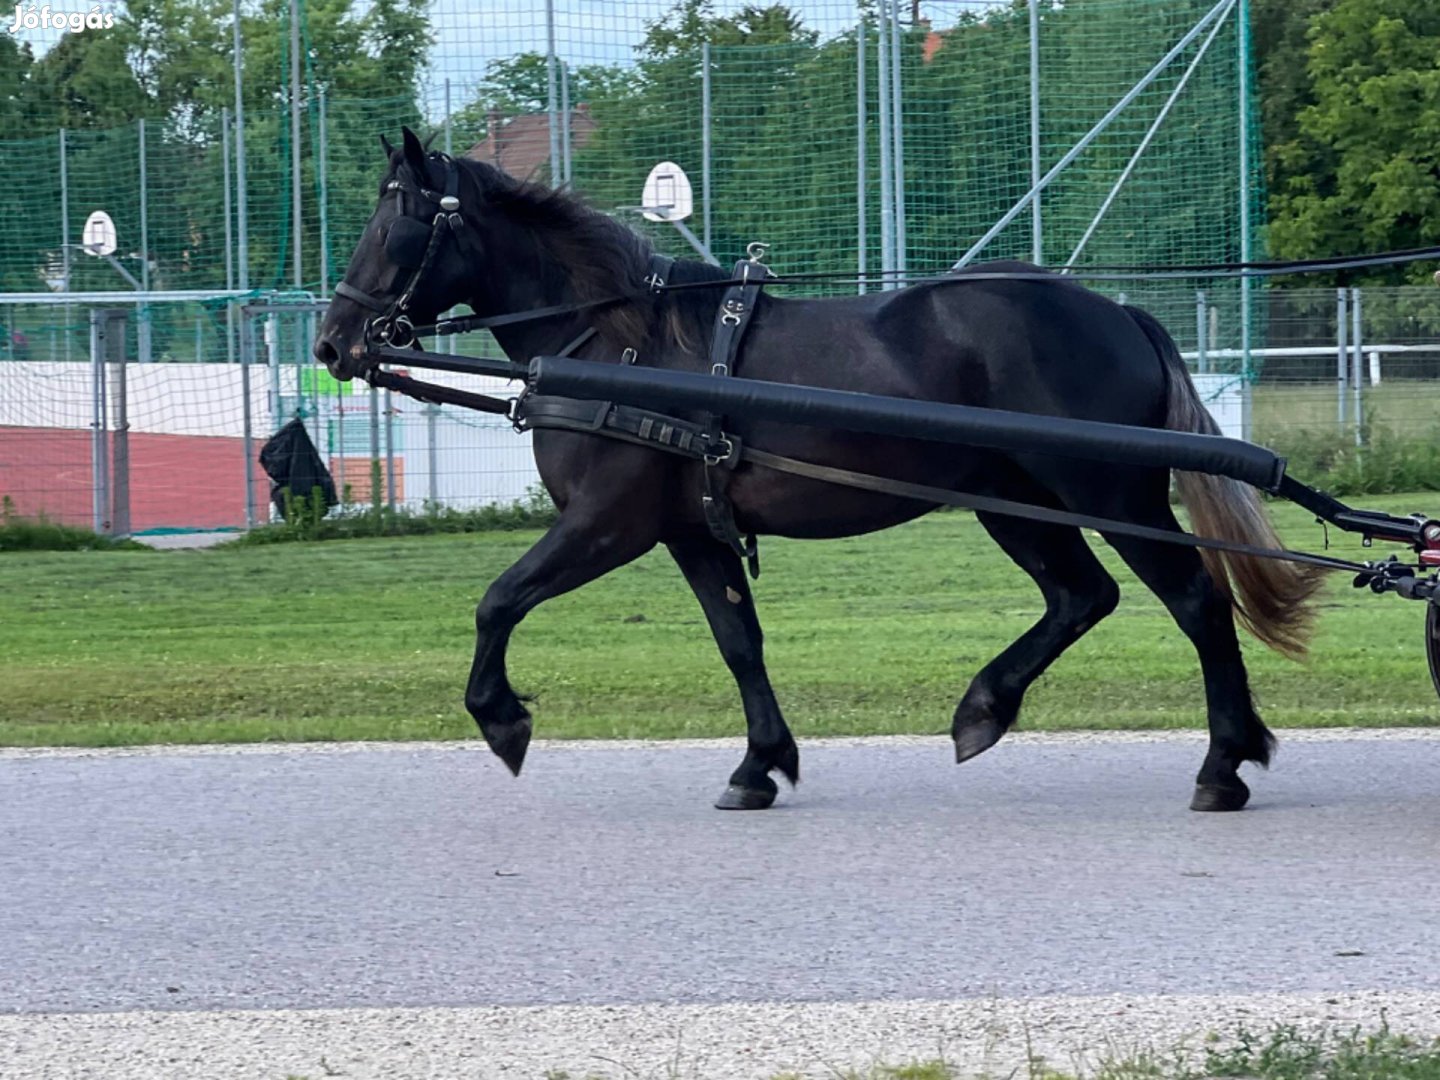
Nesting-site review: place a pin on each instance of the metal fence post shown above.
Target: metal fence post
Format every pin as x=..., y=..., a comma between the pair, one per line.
x=297, y=219
x=432, y=456
x=322, y=170
x=705, y=144
x=1342, y=354
x=1357, y=337
x=1242, y=33
x=142, y=312
x=551, y=93
x=247, y=438
x=120, y=458
x=565, y=122
x=448, y=125
x=389, y=450
x=241, y=220
x=1037, y=244
x=229, y=235
x=860, y=170
x=65, y=232
x=375, y=449
x=1202, y=357
x=882, y=101
x=99, y=438
x=897, y=131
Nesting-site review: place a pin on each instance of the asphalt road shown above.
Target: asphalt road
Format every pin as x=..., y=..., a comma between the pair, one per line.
x=427, y=876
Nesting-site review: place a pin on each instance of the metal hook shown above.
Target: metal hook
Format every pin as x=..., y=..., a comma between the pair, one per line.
x=757, y=251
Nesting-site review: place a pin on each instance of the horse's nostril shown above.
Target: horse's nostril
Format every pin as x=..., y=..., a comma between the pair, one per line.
x=326, y=353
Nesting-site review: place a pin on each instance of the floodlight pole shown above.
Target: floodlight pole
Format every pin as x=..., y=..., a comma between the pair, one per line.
x=1093, y=134
x=1145, y=142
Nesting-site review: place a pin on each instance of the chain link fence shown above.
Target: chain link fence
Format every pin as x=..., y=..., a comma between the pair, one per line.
x=795, y=130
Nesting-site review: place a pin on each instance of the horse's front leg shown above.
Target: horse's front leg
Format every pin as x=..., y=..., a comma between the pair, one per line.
x=718, y=579
x=586, y=543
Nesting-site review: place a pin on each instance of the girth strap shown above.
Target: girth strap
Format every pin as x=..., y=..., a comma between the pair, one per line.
x=737, y=307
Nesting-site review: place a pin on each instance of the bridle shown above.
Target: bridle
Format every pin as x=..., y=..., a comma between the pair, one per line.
x=392, y=326
x=412, y=245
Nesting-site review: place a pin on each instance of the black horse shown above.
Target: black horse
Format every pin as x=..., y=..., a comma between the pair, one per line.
x=1050, y=347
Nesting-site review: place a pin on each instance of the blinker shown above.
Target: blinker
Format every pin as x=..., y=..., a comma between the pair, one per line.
x=406, y=242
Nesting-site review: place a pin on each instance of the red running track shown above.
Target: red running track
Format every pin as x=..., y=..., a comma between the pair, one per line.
x=176, y=481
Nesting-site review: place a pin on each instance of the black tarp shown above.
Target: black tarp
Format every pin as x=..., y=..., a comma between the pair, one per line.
x=293, y=464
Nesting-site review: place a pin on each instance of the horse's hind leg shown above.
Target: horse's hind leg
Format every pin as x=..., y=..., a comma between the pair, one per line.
x=579, y=548
x=1078, y=594
x=1177, y=576
x=718, y=579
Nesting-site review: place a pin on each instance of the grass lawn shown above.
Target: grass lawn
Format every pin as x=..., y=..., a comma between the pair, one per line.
x=879, y=634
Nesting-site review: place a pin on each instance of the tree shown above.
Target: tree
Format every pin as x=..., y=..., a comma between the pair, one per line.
x=1280, y=39
x=1363, y=172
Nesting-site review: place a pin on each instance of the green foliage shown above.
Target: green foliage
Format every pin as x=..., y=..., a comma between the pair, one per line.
x=40, y=534
x=1286, y=1053
x=1360, y=172
x=310, y=519
x=1281, y=42
x=1383, y=463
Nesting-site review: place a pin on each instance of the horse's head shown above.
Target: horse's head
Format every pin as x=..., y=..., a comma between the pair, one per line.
x=408, y=266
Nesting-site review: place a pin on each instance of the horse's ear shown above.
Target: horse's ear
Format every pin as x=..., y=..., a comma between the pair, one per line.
x=431, y=138
x=389, y=150
x=414, y=152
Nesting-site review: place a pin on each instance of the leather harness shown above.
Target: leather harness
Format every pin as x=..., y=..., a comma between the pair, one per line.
x=705, y=439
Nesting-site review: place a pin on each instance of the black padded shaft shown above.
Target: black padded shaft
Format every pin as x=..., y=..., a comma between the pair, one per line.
x=993, y=429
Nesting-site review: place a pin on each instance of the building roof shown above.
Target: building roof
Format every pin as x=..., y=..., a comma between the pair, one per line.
x=520, y=145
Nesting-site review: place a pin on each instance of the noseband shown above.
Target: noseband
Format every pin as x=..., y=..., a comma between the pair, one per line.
x=392, y=325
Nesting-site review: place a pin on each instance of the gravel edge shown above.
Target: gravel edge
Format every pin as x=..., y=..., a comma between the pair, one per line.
x=476, y=745
x=994, y=1037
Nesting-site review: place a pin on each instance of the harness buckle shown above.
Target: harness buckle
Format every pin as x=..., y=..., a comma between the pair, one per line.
x=720, y=368
x=713, y=459
x=629, y=356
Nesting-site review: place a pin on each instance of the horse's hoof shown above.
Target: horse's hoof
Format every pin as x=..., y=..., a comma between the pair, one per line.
x=976, y=738
x=1214, y=798
x=509, y=741
x=736, y=797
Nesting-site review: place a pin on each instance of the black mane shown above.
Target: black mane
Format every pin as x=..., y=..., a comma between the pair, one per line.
x=598, y=256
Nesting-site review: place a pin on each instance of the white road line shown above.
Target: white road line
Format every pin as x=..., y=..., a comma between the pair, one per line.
x=734, y=1042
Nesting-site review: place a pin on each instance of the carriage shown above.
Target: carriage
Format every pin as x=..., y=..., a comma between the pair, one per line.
x=676, y=404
